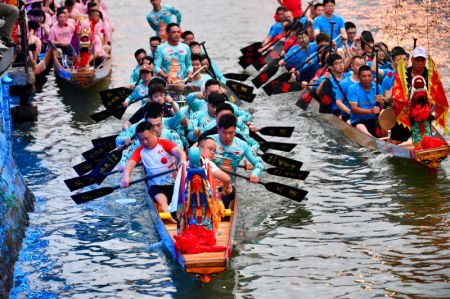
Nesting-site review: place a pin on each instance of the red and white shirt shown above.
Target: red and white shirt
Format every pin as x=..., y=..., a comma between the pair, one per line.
x=157, y=160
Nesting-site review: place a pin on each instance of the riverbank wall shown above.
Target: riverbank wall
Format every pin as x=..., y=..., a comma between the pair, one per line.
x=16, y=200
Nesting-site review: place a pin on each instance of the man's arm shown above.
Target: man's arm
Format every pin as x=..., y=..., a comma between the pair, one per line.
x=179, y=154
x=255, y=160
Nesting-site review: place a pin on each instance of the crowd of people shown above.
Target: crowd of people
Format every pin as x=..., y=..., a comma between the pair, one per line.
x=160, y=132
x=333, y=49
x=76, y=28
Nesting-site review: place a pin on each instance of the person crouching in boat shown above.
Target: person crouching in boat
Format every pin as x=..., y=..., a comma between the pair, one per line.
x=365, y=103
x=158, y=155
x=231, y=151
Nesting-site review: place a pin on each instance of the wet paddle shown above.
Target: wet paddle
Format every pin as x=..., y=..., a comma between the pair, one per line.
x=104, y=140
x=292, y=174
x=100, y=192
x=99, y=151
x=277, y=188
x=265, y=145
x=109, y=162
x=277, y=131
x=86, y=166
x=237, y=77
x=282, y=162
x=251, y=48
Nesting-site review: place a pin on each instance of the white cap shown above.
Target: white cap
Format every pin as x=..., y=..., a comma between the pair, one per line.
x=420, y=52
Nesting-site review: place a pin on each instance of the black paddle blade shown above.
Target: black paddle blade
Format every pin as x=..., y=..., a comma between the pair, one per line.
x=268, y=88
x=279, y=146
x=99, y=116
x=242, y=91
x=275, y=53
x=286, y=191
x=80, y=182
x=86, y=166
x=326, y=97
x=282, y=162
x=285, y=87
x=304, y=99
x=98, y=152
x=245, y=61
x=114, y=97
x=292, y=174
x=108, y=163
x=277, y=131
x=238, y=77
x=91, y=195
x=251, y=48
x=104, y=140
x=265, y=75
x=231, y=96
x=259, y=63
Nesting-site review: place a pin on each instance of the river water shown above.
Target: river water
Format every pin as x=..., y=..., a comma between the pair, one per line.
x=373, y=225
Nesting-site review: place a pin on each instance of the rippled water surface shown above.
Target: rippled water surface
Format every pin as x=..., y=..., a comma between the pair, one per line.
x=373, y=225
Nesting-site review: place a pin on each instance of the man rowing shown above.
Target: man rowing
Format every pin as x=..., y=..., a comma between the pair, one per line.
x=158, y=155
x=173, y=58
x=160, y=16
x=323, y=22
x=365, y=103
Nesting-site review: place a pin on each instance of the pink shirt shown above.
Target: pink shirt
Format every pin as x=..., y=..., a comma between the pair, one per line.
x=61, y=35
x=98, y=47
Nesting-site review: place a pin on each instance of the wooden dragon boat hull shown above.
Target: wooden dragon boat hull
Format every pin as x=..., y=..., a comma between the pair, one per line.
x=79, y=78
x=44, y=66
x=429, y=157
x=204, y=266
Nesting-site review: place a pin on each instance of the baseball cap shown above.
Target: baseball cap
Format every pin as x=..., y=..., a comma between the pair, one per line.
x=420, y=52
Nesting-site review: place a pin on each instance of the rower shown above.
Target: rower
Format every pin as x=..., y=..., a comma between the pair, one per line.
x=199, y=79
x=342, y=104
x=276, y=28
x=145, y=73
x=197, y=49
x=154, y=42
x=61, y=33
x=350, y=29
x=173, y=59
x=161, y=16
x=161, y=126
x=365, y=103
x=231, y=151
x=322, y=22
x=139, y=55
x=314, y=11
x=295, y=6
x=158, y=155
x=188, y=37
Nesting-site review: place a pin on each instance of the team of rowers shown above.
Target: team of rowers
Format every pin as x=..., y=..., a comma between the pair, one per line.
x=159, y=132
x=63, y=25
x=349, y=63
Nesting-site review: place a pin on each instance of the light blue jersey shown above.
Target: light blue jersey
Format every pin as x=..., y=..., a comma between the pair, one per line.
x=174, y=61
x=201, y=81
x=323, y=24
x=159, y=20
x=134, y=77
x=140, y=93
x=364, y=99
x=229, y=157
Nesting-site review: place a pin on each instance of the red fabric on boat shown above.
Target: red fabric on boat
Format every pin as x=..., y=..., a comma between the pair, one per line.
x=197, y=239
x=429, y=142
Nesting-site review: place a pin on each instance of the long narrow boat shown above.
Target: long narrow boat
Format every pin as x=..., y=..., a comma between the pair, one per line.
x=204, y=266
x=45, y=64
x=81, y=78
x=428, y=157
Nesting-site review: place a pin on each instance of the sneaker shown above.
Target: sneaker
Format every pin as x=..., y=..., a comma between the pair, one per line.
x=7, y=79
x=2, y=23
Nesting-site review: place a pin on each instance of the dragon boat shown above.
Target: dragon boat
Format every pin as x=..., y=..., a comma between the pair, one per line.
x=78, y=71
x=199, y=209
x=431, y=158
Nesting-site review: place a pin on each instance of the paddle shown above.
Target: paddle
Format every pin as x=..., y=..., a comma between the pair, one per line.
x=98, y=152
x=110, y=161
x=86, y=166
x=115, y=96
x=292, y=174
x=242, y=91
x=104, y=140
x=88, y=179
x=251, y=48
x=265, y=145
x=100, y=192
x=238, y=77
x=277, y=188
x=281, y=162
x=277, y=131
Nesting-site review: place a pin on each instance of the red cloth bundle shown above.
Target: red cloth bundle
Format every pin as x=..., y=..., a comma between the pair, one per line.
x=197, y=239
x=429, y=142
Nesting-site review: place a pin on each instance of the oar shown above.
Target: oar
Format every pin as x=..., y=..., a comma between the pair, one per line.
x=281, y=162
x=280, y=189
x=100, y=192
x=251, y=48
x=114, y=111
x=88, y=179
x=292, y=174
x=238, y=77
x=110, y=161
x=114, y=96
x=104, y=140
x=285, y=87
x=86, y=166
x=99, y=151
x=277, y=131
x=265, y=145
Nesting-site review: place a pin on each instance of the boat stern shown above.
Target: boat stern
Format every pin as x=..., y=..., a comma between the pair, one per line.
x=432, y=158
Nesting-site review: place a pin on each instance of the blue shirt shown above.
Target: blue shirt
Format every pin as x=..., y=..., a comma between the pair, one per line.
x=164, y=15
x=229, y=156
x=323, y=25
x=174, y=61
x=345, y=85
x=275, y=29
x=388, y=82
x=139, y=93
x=294, y=57
x=134, y=77
x=364, y=99
x=201, y=81
x=335, y=89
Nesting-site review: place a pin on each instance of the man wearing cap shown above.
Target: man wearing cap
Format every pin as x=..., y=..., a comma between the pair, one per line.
x=323, y=22
x=161, y=16
x=419, y=61
x=173, y=58
x=141, y=91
